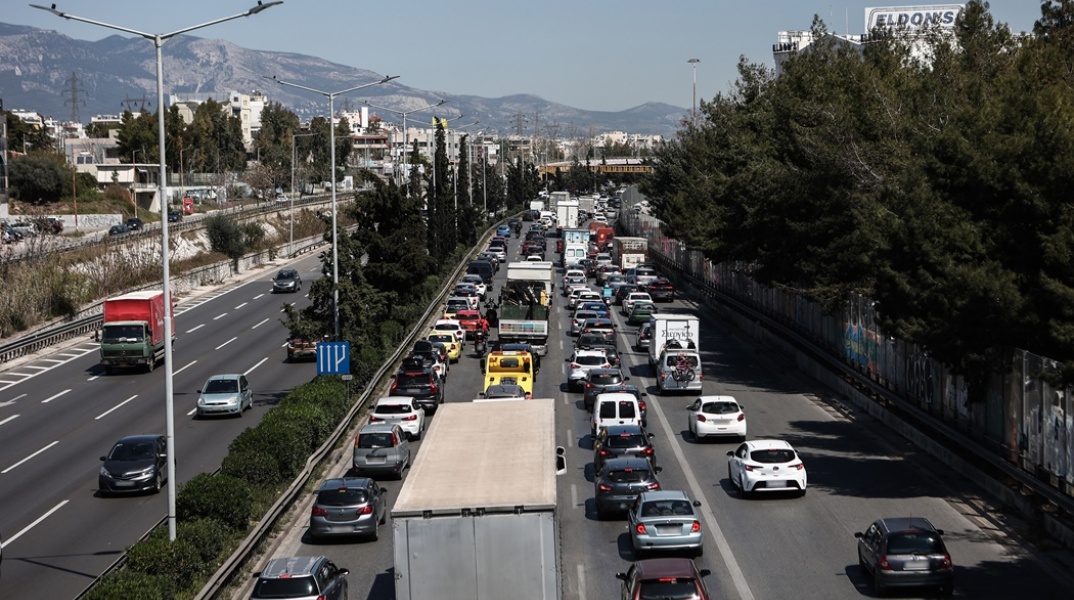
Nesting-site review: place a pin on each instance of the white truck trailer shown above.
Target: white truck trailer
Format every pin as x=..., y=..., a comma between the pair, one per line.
x=566, y=214
x=472, y=521
x=667, y=327
x=525, y=302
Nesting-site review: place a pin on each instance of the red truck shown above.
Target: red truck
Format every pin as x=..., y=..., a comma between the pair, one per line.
x=133, y=331
x=603, y=236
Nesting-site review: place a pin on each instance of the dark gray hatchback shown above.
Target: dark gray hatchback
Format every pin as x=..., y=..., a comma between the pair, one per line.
x=905, y=552
x=618, y=484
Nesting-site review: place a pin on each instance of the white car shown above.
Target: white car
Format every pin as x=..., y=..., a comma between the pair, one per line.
x=766, y=466
x=584, y=296
x=499, y=252
x=716, y=416
x=477, y=282
x=604, y=258
x=633, y=298
x=403, y=411
x=573, y=290
x=453, y=326
x=600, y=218
x=534, y=258
x=581, y=361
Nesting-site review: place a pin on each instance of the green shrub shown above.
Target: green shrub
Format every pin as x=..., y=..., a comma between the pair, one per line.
x=259, y=469
x=221, y=497
x=279, y=440
x=313, y=422
x=180, y=559
x=209, y=536
x=126, y=583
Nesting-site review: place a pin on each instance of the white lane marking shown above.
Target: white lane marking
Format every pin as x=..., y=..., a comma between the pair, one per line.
x=53, y=360
x=196, y=328
x=259, y=363
x=9, y=382
x=219, y=316
x=105, y=413
x=226, y=343
x=29, y=457
x=241, y=305
x=34, y=524
x=570, y=438
x=581, y=583
x=260, y=324
x=15, y=399
x=47, y=400
x=69, y=355
x=184, y=367
x=11, y=418
x=258, y=296
x=191, y=411
x=733, y=568
x=39, y=368
x=574, y=494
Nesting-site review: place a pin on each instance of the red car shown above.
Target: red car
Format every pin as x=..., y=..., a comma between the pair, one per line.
x=472, y=320
x=664, y=578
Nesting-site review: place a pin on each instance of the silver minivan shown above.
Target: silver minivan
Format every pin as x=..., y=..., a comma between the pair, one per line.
x=381, y=448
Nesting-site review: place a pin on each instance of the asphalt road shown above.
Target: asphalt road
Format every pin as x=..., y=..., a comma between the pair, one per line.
x=59, y=413
x=772, y=547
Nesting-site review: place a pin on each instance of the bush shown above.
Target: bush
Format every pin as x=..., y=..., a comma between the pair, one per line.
x=126, y=583
x=180, y=559
x=209, y=536
x=313, y=422
x=221, y=497
x=278, y=440
x=259, y=469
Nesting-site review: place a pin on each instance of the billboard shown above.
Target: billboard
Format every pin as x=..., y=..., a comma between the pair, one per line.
x=913, y=17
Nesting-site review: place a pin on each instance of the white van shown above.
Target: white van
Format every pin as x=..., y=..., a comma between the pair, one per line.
x=574, y=253
x=615, y=408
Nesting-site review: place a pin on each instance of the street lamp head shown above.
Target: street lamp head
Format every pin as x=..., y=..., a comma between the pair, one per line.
x=51, y=9
x=694, y=61
x=262, y=6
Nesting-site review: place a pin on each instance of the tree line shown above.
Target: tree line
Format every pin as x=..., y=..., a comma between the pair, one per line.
x=937, y=186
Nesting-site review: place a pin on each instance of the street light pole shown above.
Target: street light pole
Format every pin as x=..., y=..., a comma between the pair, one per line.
x=291, y=247
x=158, y=42
x=406, y=133
x=332, y=142
x=693, y=107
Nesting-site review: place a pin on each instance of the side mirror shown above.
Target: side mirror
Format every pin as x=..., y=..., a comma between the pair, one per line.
x=696, y=504
x=627, y=379
x=344, y=571
x=561, y=460
x=858, y=534
x=731, y=453
x=104, y=458
x=657, y=469
x=384, y=490
x=199, y=391
x=704, y=572
x=621, y=576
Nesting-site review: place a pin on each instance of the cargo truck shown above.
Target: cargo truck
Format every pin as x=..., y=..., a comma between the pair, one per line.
x=566, y=214
x=525, y=301
x=132, y=334
x=672, y=327
x=555, y=198
x=629, y=252
x=587, y=204
x=472, y=521
x=575, y=235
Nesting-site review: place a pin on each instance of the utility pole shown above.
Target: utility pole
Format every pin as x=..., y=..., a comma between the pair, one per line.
x=73, y=89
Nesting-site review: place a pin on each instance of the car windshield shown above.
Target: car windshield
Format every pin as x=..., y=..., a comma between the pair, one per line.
x=589, y=360
x=625, y=440
x=772, y=456
x=221, y=386
x=628, y=476
x=719, y=408
x=665, y=508
x=132, y=451
x=297, y=587
x=668, y=588
x=375, y=440
x=285, y=275
x=392, y=409
x=914, y=542
x=131, y=333
x=341, y=497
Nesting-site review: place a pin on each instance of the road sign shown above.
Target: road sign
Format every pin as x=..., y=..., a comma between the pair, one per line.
x=333, y=358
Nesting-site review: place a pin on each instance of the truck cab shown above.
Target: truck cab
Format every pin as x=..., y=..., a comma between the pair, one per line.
x=510, y=367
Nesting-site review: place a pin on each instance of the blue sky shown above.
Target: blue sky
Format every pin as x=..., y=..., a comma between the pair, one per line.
x=589, y=54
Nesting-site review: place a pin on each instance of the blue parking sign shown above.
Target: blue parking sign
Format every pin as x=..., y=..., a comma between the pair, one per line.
x=333, y=358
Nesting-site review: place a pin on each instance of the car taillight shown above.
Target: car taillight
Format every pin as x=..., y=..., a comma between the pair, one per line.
x=605, y=452
x=701, y=377
x=749, y=467
x=437, y=368
x=663, y=376
x=741, y=417
x=653, y=486
x=947, y=561
x=588, y=385
x=395, y=384
x=319, y=512
x=696, y=527
x=411, y=418
x=648, y=451
x=799, y=466
x=395, y=439
x=365, y=510
x=576, y=366
x=701, y=418
x=641, y=405
x=604, y=487
x=434, y=389
x=883, y=564
x=640, y=528
x=374, y=418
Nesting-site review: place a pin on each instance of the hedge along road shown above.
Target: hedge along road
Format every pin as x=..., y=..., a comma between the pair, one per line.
x=770, y=547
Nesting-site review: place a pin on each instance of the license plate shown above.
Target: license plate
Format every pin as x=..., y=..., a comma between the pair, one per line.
x=124, y=484
x=777, y=484
x=668, y=529
x=376, y=460
x=916, y=565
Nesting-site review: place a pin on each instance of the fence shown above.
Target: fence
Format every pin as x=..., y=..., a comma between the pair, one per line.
x=1024, y=419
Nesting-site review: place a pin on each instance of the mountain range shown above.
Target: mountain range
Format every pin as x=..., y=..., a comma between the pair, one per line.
x=58, y=76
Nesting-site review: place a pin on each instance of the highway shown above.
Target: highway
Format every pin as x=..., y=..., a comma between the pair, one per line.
x=59, y=413
x=766, y=548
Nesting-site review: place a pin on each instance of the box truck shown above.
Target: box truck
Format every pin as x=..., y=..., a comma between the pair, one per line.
x=525, y=301
x=683, y=329
x=629, y=252
x=472, y=521
x=566, y=214
x=132, y=334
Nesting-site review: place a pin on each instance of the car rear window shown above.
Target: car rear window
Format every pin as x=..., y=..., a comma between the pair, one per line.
x=629, y=476
x=668, y=588
x=589, y=360
x=443, y=338
x=626, y=440
x=381, y=439
x=773, y=456
x=914, y=542
x=412, y=380
x=392, y=409
x=605, y=379
x=665, y=508
x=719, y=408
x=673, y=360
x=296, y=587
x=341, y=497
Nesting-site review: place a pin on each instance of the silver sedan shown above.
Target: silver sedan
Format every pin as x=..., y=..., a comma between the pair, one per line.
x=665, y=521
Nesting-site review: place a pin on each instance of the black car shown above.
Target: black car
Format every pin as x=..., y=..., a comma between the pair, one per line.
x=287, y=280
x=424, y=386
x=174, y=216
x=300, y=577
x=618, y=441
x=619, y=482
x=905, y=552
x=661, y=290
x=135, y=224
x=622, y=292
x=136, y=463
x=427, y=346
x=598, y=379
x=119, y=230
x=483, y=268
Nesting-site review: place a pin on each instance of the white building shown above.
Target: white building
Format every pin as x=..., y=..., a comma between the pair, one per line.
x=246, y=107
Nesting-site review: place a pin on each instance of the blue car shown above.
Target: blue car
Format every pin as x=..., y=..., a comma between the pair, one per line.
x=504, y=230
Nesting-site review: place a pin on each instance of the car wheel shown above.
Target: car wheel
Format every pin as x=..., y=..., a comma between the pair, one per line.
x=157, y=483
x=861, y=563
x=699, y=552
x=376, y=532
x=947, y=590
x=150, y=364
x=801, y=493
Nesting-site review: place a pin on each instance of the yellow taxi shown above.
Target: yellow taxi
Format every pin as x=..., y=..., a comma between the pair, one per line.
x=450, y=341
x=510, y=367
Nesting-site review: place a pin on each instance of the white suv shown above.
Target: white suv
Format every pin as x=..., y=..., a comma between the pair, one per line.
x=581, y=361
x=403, y=411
